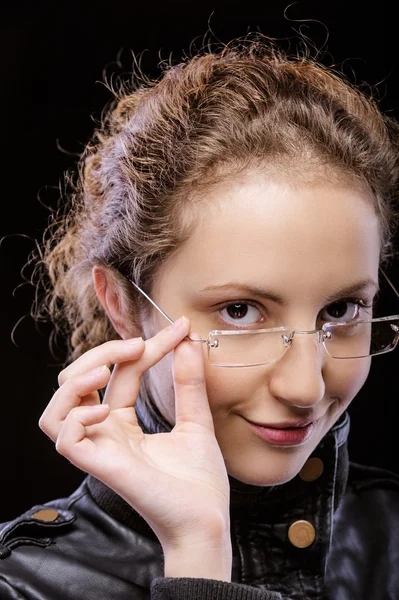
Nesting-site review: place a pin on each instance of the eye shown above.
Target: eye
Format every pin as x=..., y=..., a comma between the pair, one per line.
x=240, y=313
x=343, y=311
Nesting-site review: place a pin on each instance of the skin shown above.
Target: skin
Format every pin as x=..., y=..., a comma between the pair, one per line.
x=303, y=241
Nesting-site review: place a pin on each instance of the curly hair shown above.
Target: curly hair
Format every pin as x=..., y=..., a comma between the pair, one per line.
x=163, y=142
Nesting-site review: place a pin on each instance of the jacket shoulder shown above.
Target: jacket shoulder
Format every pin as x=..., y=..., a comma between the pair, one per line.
x=38, y=525
x=364, y=554
x=75, y=535
x=365, y=477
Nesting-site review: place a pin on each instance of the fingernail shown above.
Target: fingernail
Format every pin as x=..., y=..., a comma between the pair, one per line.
x=178, y=323
x=134, y=340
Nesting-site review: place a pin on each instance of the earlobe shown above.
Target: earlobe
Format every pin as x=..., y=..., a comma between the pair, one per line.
x=109, y=298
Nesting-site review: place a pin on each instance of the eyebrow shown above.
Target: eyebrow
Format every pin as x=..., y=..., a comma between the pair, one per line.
x=350, y=290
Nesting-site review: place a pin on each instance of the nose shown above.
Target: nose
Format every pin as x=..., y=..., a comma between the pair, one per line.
x=297, y=379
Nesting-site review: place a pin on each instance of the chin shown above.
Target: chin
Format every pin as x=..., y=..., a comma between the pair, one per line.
x=275, y=466
x=266, y=477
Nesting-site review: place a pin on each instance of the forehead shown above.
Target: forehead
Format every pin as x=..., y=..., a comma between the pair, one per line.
x=281, y=232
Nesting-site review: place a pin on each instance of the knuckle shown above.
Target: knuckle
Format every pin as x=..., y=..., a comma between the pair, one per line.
x=190, y=381
x=74, y=413
x=115, y=351
x=60, y=445
x=76, y=386
x=62, y=376
x=125, y=352
x=43, y=424
x=69, y=386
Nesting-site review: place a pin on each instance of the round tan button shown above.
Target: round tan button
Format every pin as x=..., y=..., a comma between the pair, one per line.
x=301, y=534
x=46, y=514
x=312, y=469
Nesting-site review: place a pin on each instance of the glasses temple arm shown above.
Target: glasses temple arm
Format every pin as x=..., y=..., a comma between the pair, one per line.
x=152, y=302
x=390, y=282
x=163, y=313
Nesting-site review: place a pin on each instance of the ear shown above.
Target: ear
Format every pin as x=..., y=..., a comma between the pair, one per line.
x=109, y=296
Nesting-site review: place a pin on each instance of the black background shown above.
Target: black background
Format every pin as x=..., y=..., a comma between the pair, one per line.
x=52, y=64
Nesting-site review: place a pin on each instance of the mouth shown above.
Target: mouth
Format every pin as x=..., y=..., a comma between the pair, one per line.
x=285, y=433
x=284, y=424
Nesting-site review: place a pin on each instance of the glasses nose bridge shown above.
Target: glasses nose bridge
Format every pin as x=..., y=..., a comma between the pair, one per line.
x=288, y=339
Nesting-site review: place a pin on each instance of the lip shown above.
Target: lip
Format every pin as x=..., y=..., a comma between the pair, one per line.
x=284, y=424
x=285, y=434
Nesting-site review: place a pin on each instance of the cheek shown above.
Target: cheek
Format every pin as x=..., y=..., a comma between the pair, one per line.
x=233, y=388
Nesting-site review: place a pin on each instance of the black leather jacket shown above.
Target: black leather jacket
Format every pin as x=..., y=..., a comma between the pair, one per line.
x=93, y=546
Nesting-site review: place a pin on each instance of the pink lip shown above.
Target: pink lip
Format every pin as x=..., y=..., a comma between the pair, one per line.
x=284, y=435
x=283, y=425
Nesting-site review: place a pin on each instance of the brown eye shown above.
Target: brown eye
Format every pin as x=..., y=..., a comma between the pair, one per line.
x=241, y=314
x=237, y=311
x=338, y=310
x=341, y=311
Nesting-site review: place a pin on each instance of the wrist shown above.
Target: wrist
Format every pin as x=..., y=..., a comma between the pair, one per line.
x=205, y=560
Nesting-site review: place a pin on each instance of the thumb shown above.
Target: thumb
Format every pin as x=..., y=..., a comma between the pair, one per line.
x=191, y=399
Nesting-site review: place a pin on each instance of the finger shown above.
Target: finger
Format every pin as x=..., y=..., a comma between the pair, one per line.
x=91, y=399
x=124, y=386
x=147, y=354
x=72, y=441
x=109, y=353
x=191, y=399
x=69, y=396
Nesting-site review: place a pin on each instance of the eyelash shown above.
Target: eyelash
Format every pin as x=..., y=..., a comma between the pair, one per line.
x=357, y=301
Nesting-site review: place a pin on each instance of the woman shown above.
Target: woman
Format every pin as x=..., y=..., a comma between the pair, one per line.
x=248, y=199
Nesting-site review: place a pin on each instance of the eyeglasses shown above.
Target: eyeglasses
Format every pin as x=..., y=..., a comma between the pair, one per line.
x=251, y=348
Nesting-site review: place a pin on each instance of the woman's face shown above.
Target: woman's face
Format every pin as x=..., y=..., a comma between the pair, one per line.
x=268, y=253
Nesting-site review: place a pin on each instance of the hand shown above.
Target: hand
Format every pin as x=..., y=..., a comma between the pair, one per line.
x=177, y=481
